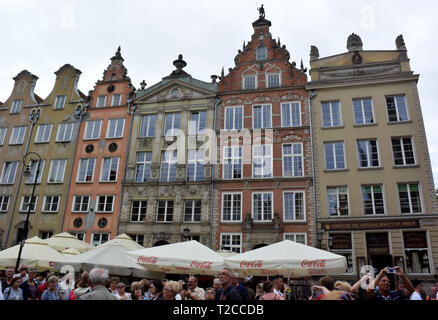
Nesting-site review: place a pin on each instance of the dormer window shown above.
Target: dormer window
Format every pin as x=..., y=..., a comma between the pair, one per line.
x=261, y=53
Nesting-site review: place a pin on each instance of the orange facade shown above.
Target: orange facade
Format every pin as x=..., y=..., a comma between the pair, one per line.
x=94, y=199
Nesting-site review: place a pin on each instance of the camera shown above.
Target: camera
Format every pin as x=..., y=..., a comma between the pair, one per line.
x=391, y=270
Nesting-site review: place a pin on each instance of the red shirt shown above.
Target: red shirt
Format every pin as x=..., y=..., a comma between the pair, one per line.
x=41, y=288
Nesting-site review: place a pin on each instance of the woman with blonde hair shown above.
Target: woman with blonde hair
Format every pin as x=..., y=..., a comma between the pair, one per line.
x=136, y=291
x=171, y=289
x=343, y=286
x=52, y=292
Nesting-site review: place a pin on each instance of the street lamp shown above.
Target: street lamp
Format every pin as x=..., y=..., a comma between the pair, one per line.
x=322, y=246
x=186, y=234
x=28, y=172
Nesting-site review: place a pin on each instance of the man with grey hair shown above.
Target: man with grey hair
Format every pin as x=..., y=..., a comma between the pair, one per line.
x=98, y=277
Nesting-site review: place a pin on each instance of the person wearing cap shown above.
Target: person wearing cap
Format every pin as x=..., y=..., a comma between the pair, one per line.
x=30, y=287
x=418, y=287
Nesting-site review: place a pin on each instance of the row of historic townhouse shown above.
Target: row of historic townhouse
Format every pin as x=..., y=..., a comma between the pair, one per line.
x=263, y=155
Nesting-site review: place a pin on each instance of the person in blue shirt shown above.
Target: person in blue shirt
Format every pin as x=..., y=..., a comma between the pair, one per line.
x=228, y=292
x=380, y=288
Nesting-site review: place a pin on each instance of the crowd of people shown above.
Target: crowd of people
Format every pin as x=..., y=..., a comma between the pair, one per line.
x=28, y=284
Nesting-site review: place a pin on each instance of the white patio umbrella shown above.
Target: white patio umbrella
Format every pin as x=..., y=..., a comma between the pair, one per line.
x=287, y=258
x=36, y=254
x=65, y=240
x=110, y=256
x=226, y=253
x=127, y=242
x=188, y=257
x=70, y=252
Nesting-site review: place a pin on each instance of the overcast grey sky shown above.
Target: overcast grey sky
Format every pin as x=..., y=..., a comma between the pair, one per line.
x=43, y=35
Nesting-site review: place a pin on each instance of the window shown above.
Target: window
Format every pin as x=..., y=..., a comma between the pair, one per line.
x=293, y=160
x=81, y=203
x=79, y=235
x=8, y=172
x=17, y=135
x=2, y=135
x=231, y=207
x=168, y=166
x=195, y=166
x=33, y=171
x=296, y=237
x=165, y=211
x=51, y=204
x=368, y=153
x=117, y=99
x=92, y=129
x=293, y=206
x=45, y=234
x=139, y=238
x=416, y=252
x=198, y=122
x=24, y=207
x=334, y=156
x=99, y=238
x=342, y=245
x=16, y=106
x=138, y=211
x=397, y=109
x=105, y=203
x=291, y=114
x=86, y=170
x=233, y=118
x=232, y=242
x=57, y=169
x=410, y=200
x=148, y=125
x=363, y=111
x=59, y=102
x=65, y=131
x=43, y=133
x=4, y=203
x=261, y=53
x=262, y=161
x=144, y=161
x=101, y=102
x=337, y=201
x=172, y=124
x=110, y=167
x=403, y=151
x=232, y=163
x=115, y=128
x=273, y=80
x=192, y=211
x=331, y=114
x=372, y=197
x=262, y=208
x=250, y=82
x=262, y=116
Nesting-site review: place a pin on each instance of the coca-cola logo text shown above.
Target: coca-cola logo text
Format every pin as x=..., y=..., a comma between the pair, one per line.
x=251, y=264
x=201, y=265
x=319, y=263
x=147, y=260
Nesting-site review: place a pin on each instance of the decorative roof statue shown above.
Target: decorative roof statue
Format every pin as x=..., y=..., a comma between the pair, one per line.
x=179, y=72
x=400, y=43
x=354, y=43
x=314, y=53
x=261, y=12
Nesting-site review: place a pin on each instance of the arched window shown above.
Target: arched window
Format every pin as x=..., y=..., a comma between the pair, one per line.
x=261, y=53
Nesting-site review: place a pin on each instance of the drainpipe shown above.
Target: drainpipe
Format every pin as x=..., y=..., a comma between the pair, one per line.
x=216, y=103
x=34, y=115
x=131, y=110
x=312, y=95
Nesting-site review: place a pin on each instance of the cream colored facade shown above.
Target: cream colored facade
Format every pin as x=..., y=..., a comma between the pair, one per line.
x=140, y=215
x=344, y=89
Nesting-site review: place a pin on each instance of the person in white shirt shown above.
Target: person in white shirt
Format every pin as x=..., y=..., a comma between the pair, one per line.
x=418, y=286
x=1, y=292
x=23, y=273
x=121, y=294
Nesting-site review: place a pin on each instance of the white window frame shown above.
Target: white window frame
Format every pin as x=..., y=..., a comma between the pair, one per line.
x=332, y=125
x=362, y=108
x=22, y=203
x=173, y=131
x=334, y=155
x=420, y=192
x=192, y=220
x=41, y=133
x=112, y=135
x=3, y=199
x=233, y=194
x=403, y=151
x=253, y=214
x=197, y=163
x=59, y=102
x=81, y=196
x=292, y=155
x=368, y=154
x=233, y=110
x=244, y=87
x=234, y=151
x=16, y=106
x=171, y=161
x=51, y=203
x=194, y=125
x=166, y=211
x=9, y=172
x=397, y=108
x=3, y=132
x=265, y=53
x=58, y=161
x=17, y=135
x=135, y=236
x=145, y=163
x=94, y=123
x=262, y=158
x=294, y=208
x=337, y=201
x=101, y=234
x=429, y=251
x=291, y=119
x=105, y=203
x=263, y=118
x=65, y=131
x=294, y=236
x=113, y=100
x=231, y=246
x=32, y=178
x=102, y=173
x=78, y=235
x=139, y=208
x=278, y=74
x=99, y=100
x=45, y=234
x=81, y=164
x=374, y=214
x=150, y=122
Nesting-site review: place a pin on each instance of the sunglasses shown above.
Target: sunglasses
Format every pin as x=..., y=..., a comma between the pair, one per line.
x=23, y=269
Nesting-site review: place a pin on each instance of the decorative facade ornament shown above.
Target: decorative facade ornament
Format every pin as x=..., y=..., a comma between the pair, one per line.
x=400, y=43
x=248, y=221
x=34, y=115
x=357, y=59
x=354, y=43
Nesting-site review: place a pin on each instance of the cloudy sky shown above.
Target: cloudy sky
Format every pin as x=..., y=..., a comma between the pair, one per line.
x=43, y=35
